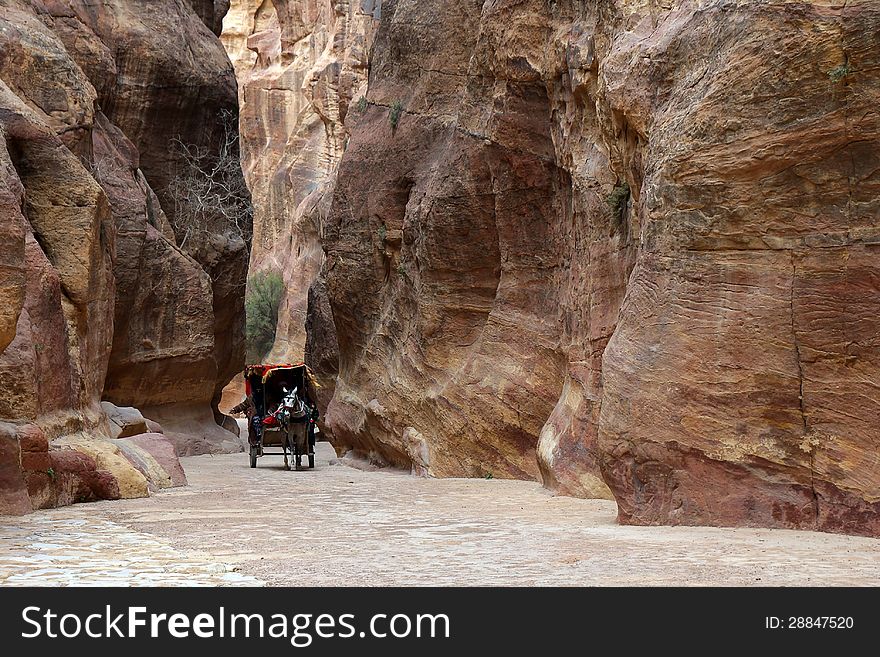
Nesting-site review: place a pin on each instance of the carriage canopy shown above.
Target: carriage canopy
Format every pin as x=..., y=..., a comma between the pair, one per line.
x=264, y=383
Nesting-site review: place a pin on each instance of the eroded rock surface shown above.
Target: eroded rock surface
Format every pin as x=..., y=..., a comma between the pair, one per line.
x=739, y=384
x=104, y=293
x=170, y=90
x=630, y=248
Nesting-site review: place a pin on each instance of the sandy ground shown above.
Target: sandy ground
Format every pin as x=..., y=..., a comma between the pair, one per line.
x=337, y=525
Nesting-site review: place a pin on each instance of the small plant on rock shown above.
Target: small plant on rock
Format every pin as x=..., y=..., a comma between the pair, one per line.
x=394, y=116
x=618, y=199
x=383, y=232
x=361, y=104
x=838, y=73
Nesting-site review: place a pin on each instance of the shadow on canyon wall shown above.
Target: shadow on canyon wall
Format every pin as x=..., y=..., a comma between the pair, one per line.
x=107, y=295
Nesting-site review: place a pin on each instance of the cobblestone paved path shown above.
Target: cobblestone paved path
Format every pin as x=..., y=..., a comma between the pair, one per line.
x=337, y=525
x=67, y=547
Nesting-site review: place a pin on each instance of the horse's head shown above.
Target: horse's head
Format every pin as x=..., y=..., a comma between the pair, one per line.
x=293, y=402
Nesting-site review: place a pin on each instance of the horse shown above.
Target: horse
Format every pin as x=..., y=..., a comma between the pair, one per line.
x=293, y=416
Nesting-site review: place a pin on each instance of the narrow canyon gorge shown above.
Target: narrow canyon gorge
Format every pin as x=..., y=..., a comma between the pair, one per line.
x=629, y=249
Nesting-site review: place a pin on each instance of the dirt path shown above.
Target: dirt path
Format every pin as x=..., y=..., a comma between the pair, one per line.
x=336, y=525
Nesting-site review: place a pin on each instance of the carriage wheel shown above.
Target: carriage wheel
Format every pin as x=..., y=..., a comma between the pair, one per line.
x=254, y=449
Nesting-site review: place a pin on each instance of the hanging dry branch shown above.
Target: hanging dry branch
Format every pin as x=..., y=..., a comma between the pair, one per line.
x=209, y=194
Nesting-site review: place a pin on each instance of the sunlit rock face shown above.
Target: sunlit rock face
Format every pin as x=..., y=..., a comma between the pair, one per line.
x=630, y=249
x=300, y=65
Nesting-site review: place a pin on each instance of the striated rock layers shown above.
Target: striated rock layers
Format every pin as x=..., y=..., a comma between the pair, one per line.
x=100, y=298
x=629, y=247
x=300, y=66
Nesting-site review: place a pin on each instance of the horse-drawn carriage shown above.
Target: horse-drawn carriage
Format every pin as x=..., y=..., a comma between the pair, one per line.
x=281, y=412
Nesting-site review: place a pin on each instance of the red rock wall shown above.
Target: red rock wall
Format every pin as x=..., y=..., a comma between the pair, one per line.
x=171, y=82
x=626, y=248
x=739, y=382
x=100, y=299
x=442, y=258
x=56, y=363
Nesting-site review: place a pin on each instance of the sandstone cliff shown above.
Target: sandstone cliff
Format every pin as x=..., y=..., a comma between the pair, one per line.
x=629, y=247
x=178, y=332
x=101, y=297
x=300, y=65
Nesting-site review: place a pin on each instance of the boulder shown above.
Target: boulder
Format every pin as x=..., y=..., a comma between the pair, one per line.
x=193, y=430
x=125, y=421
x=155, y=457
x=153, y=427
x=144, y=462
x=76, y=478
x=109, y=458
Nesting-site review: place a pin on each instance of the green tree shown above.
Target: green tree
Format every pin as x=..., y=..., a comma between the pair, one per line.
x=264, y=293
